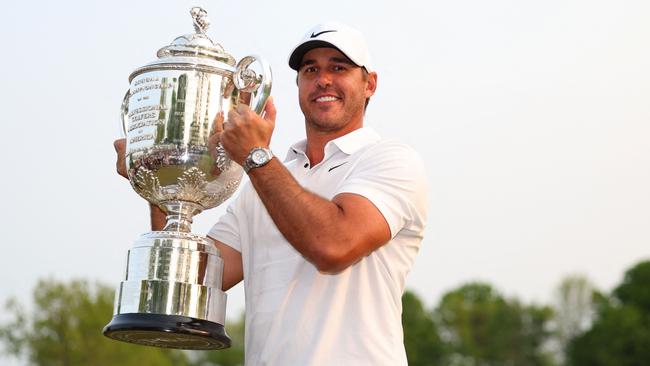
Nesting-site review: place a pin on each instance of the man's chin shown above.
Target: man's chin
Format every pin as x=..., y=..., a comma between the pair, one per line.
x=325, y=125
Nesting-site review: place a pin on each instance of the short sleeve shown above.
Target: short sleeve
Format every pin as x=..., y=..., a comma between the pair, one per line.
x=228, y=229
x=392, y=176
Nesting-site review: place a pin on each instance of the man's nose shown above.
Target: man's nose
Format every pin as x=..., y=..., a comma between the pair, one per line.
x=323, y=79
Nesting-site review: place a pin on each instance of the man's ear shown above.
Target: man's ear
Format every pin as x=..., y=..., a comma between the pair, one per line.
x=371, y=84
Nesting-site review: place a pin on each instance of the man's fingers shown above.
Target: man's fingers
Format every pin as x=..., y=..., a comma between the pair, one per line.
x=233, y=115
x=215, y=137
x=217, y=123
x=120, y=164
x=270, y=111
x=120, y=146
x=243, y=108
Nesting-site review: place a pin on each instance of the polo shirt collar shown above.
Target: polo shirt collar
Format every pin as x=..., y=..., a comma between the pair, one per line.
x=347, y=144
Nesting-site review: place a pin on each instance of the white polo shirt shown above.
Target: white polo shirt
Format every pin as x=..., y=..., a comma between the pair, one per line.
x=298, y=316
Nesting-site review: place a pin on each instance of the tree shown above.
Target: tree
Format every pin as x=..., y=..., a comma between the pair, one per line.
x=620, y=334
x=574, y=312
x=421, y=340
x=65, y=329
x=635, y=289
x=483, y=328
x=233, y=356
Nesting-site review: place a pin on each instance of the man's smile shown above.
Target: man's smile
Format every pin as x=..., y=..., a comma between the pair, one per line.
x=326, y=98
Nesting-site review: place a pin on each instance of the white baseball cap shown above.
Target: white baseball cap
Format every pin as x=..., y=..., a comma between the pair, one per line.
x=342, y=37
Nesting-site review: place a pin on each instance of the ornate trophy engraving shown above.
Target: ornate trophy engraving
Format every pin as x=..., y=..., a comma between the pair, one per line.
x=171, y=293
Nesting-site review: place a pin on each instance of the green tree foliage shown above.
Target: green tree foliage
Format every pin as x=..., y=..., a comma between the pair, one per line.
x=620, y=334
x=472, y=325
x=233, y=356
x=65, y=326
x=574, y=311
x=423, y=345
x=482, y=328
x=635, y=289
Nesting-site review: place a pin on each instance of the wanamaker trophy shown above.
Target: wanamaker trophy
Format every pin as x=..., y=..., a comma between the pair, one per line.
x=171, y=294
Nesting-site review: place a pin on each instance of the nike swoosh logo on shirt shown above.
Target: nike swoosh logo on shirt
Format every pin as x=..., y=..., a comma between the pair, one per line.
x=336, y=166
x=314, y=35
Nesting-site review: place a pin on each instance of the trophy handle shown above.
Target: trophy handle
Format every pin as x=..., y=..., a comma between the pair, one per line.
x=124, y=110
x=254, y=89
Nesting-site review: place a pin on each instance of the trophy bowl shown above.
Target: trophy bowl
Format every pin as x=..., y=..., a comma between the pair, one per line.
x=171, y=293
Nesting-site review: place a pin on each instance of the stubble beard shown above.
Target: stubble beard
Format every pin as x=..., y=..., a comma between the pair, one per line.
x=332, y=122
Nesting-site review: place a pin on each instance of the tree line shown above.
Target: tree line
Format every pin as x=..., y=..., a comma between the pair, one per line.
x=472, y=325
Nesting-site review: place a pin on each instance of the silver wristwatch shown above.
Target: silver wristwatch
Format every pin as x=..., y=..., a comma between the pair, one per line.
x=259, y=156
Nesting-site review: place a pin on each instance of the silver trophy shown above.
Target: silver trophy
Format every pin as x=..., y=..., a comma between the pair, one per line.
x=171, y=293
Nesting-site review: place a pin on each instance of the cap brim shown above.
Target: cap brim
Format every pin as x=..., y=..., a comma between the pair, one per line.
x=296, y=56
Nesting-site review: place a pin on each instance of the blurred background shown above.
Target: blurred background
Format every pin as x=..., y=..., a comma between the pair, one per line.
x=532, y=117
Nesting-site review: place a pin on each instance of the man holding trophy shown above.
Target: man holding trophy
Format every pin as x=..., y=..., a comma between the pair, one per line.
x=323, y=241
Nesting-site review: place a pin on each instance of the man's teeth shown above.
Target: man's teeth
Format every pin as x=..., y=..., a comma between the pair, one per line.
x=325, y=99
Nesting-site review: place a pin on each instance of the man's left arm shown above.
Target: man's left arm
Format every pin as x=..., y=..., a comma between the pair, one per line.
x=332, y=234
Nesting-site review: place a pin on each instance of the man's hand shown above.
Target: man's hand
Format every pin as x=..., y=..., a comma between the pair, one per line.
x=213, y=141
x=120, y=150
x=157, y=215
x=245, y=130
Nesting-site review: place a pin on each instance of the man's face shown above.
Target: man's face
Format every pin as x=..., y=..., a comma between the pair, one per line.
x=332, y=90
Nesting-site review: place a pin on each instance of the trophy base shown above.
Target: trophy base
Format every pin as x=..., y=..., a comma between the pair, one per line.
x=167, y=331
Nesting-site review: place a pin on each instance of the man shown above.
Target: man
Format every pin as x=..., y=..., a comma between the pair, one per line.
x=325, y=241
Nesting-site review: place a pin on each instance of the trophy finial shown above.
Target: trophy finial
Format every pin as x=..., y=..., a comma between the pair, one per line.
x=200, y=18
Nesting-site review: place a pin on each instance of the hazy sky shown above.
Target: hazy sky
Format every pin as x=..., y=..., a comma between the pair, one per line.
x=533, y=118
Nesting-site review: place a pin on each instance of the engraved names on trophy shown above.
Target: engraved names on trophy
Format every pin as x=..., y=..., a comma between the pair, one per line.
x=142, y=138
x=150, y=83
x=145, y=120
x=145, y=116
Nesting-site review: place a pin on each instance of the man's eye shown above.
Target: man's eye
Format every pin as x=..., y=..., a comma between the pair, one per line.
x=338, y=68
x=310, y=69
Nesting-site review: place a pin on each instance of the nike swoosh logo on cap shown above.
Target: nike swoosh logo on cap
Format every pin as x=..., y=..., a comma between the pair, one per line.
x=314, y=35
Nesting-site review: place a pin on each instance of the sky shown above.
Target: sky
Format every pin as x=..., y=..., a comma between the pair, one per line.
x=532, y=117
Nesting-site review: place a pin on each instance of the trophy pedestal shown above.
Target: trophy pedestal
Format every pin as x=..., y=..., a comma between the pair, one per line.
x=171, y=295
x=168, y=331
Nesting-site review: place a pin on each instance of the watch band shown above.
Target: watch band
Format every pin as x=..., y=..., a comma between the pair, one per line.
x=257, y=157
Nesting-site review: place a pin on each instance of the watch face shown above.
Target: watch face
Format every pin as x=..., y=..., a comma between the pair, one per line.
x=259, y=156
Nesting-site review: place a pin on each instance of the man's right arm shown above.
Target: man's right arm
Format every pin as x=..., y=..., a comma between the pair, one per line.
x=233, y=272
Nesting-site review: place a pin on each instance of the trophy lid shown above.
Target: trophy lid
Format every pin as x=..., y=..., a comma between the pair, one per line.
x=196, y=51
x=197, y=44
